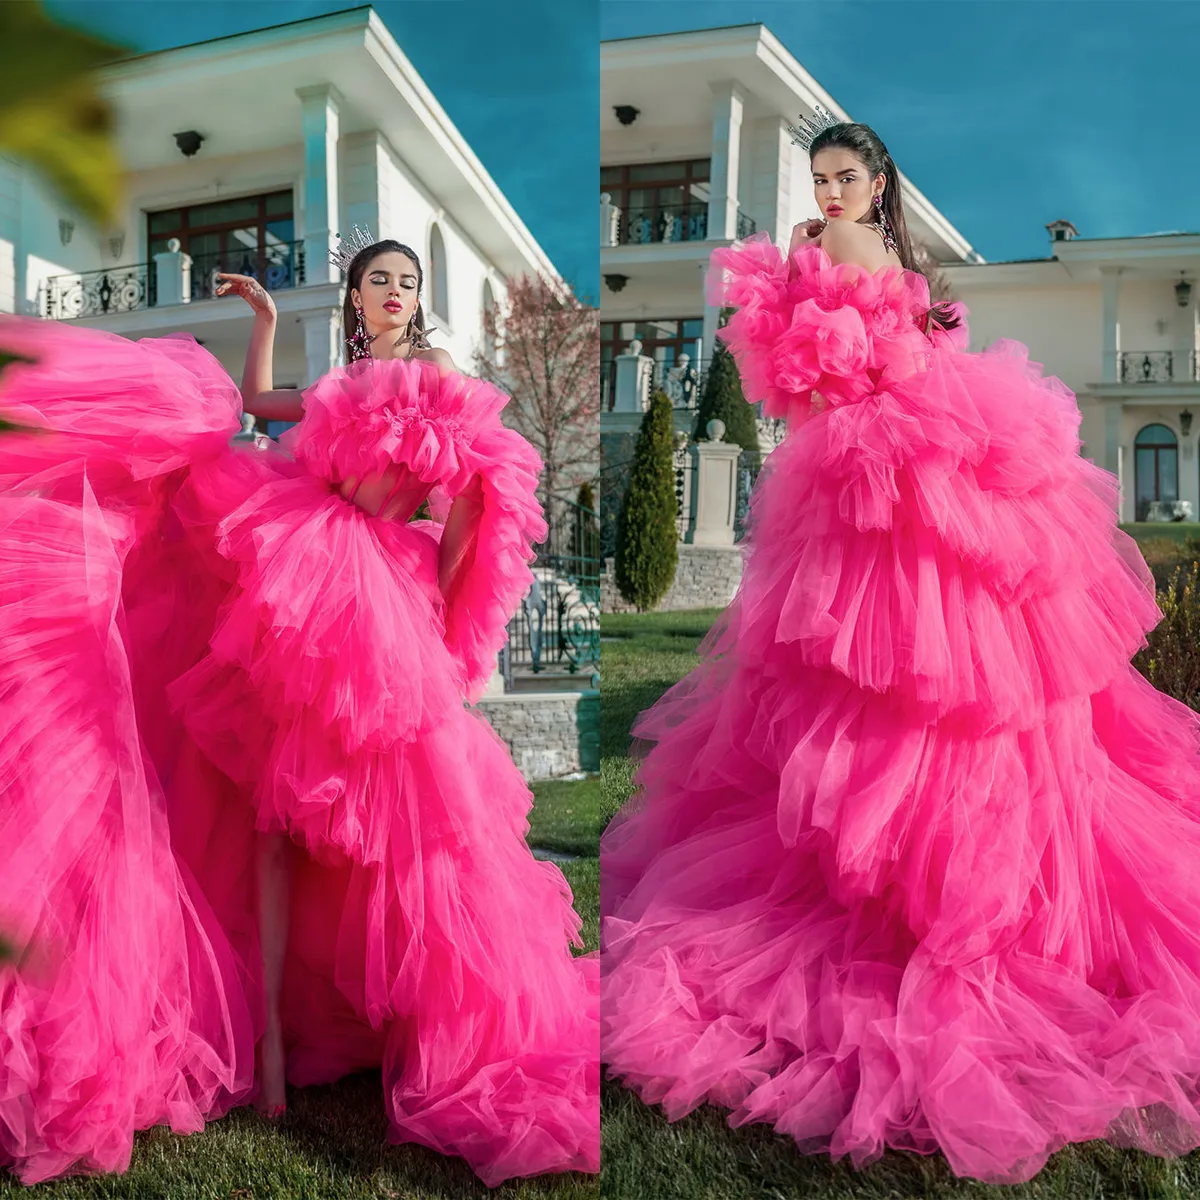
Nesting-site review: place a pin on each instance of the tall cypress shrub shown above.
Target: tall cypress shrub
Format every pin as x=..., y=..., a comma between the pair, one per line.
x=647, y=541
x=722, y=398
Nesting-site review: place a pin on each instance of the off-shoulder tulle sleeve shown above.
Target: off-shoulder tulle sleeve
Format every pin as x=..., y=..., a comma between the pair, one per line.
x=446, y=428
x=814, y=325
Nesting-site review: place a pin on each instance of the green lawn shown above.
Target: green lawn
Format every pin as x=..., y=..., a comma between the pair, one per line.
x=333, y=1142
x=700, y=1157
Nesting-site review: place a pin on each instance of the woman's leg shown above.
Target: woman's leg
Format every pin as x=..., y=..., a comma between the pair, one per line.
x=273, y=854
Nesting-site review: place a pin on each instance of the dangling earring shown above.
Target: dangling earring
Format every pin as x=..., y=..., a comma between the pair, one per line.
x=359, y=341
x=885, y=226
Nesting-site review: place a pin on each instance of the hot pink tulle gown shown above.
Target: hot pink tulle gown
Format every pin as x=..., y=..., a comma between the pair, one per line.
x=199, y=640
x=915, y=862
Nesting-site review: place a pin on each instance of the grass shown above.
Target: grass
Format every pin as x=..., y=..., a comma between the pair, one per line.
x=700, y=1157
x=332, y=1144
x=1177, y=531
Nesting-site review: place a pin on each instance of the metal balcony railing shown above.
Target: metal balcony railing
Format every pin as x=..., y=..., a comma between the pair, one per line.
x=1157, y=366
x=668, y=223
x=129, y=289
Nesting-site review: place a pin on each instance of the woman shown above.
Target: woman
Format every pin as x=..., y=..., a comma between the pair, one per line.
x=912, y=862
x=298, y=654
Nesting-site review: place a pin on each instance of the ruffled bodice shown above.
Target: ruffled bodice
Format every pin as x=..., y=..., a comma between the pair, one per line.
x=817, y=326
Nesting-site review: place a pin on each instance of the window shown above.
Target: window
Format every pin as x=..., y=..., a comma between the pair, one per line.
x=250, y=235
x=660, y=202
x=664, y=339
x=1155, y=467
x=439, y=298
x=487, y=306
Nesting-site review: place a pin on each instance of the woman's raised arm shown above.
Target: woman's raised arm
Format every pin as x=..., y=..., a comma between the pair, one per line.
x=259, y=397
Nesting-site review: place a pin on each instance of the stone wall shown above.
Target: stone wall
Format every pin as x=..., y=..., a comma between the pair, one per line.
x=705, y=577
x=549, y=734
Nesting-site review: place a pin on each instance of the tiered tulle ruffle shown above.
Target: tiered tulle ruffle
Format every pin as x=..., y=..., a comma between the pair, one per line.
x=953, y=907
x=126, y=1008
x=289, y=664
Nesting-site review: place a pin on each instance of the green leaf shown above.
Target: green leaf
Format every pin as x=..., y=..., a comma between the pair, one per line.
x=50, y=111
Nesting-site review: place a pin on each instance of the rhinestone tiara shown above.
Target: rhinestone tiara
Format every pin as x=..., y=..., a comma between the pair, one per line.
x=347, y=248
x=804, y=133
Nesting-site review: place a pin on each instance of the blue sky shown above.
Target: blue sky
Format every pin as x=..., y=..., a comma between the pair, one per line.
x=520, y=80
x=1007, y=114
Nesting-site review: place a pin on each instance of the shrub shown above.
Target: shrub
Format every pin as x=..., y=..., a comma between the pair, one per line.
x=647, y=542
x=722, y=398
x=1171, y=659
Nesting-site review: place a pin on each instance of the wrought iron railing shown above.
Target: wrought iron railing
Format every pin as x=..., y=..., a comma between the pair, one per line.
x=672, y=223
x=558, y=625
x=1157, y=366
x=664, y=223
x=97, y=293
x=608, y=384
x=749, y=465
x=682, y=382
x=277, y=267
x=129, y=289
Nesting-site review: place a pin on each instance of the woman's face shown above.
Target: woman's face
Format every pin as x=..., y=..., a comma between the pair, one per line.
x=843, y=187
x=387, y=292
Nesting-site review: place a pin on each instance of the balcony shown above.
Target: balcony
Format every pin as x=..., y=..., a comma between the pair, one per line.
x=683, y=384
x=1158, y=366
x=665, y=224
x=135, y=288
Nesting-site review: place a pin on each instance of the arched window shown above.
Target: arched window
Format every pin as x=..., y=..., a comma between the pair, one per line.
x=488, y=315
x=439, y=296
x=1155, y=467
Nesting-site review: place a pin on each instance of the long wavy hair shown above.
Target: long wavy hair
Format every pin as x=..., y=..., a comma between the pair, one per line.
x=358, y=266
x=865, y=144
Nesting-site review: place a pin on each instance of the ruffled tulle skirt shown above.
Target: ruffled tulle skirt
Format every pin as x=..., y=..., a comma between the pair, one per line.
x=912, y=863
x=203, y=643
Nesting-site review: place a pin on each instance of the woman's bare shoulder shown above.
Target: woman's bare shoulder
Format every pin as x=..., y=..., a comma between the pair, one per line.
x=435, y=354
x=850, y=242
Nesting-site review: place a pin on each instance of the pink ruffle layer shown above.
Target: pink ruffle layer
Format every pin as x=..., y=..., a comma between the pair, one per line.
x=955, y=907
x=260, y=653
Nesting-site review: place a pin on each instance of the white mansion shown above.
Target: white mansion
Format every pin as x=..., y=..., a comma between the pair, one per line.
x=250, y=153
x=695, y=153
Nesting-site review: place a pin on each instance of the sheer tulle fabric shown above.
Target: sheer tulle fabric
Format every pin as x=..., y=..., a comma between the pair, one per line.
x=955, y=907
x=270, y=658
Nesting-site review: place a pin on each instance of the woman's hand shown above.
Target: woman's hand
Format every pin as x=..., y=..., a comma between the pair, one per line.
x=249, y=289
x=806, y=231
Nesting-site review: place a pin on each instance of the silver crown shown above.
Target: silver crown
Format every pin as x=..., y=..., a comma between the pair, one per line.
x=804, y=133
x=347, y=248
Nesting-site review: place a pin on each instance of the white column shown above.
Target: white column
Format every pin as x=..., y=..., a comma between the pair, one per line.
x=728, y=102
x=610, y=216
x=173, y=275
x=714, y=489
x=1113, y=423
x=1110, y=286
x=322, y=342
x=320, y=107
x=631, y=385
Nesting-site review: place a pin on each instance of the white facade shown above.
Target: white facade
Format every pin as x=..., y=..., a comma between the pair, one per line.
x=1116, y=319
x=328, y=109
x=725, y=96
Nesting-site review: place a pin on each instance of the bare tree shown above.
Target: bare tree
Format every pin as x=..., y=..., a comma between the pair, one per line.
x=542, y=347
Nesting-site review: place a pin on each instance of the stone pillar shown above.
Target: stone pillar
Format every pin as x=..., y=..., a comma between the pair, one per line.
x=631, y=383
x=728, y=101
x=173, y=275
x=610, y=219
x=322, y=342
x=1110, y=284
x=714, y=489
x=320, y=109
x=1113, y=426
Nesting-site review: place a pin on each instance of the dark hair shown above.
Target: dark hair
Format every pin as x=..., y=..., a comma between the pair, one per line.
x=355, y=272
x=864, y=143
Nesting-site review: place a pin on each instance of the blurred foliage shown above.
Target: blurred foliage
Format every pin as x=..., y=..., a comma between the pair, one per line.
x=1171, y=658
x=51, y=113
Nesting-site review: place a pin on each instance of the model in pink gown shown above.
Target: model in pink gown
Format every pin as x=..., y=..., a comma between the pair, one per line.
x=203, y=640
x=914, y=859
